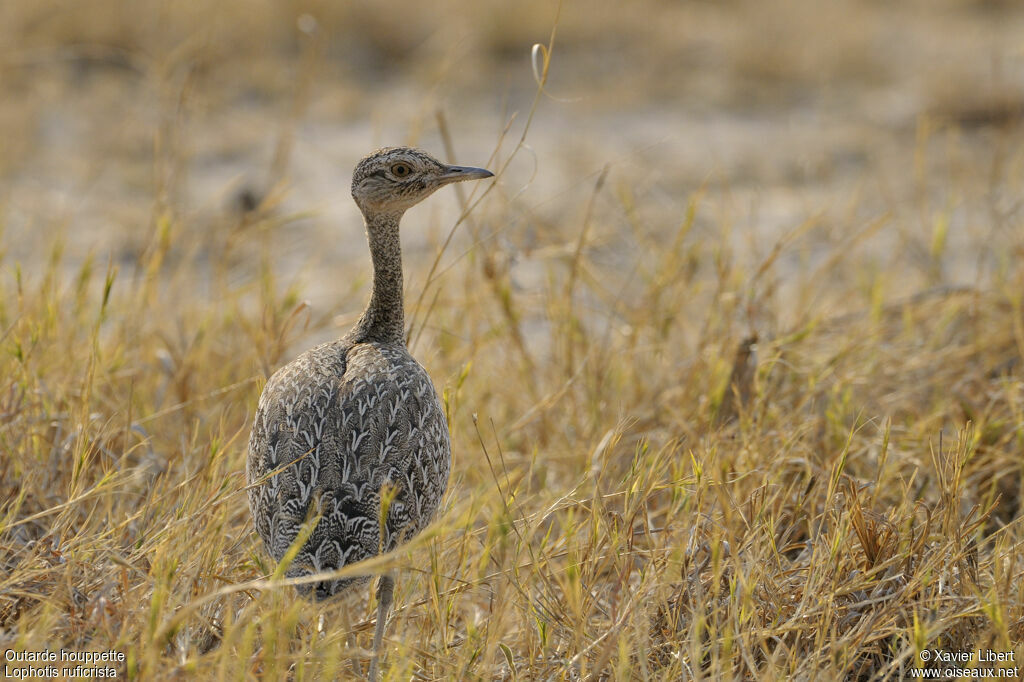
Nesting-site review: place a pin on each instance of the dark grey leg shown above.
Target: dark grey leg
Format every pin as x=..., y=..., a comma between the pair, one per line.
x=385, y=592
x=353, y=647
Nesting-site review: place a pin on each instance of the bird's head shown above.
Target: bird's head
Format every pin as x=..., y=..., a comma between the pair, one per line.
x=393, y=179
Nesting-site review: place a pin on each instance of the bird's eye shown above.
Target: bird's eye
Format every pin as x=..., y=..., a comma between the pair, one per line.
x=400, y=170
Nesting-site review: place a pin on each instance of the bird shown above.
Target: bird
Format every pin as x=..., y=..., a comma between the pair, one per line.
x=350, y=443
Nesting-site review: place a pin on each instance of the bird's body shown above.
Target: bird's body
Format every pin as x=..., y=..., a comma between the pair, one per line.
x=353, y=418
x=350, y=437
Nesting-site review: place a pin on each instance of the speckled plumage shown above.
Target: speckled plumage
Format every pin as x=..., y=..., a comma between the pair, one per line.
x=354, y=417
x=368, y=417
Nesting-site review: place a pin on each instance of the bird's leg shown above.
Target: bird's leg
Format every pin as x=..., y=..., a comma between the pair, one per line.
x=385, y=592
x=352, y=642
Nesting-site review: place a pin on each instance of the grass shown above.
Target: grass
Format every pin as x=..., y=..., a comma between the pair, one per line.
x=675, y=456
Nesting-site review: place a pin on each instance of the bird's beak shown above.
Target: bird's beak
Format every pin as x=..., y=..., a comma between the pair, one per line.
x=460, y=173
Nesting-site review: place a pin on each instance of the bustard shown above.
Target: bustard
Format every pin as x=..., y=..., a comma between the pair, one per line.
x=356, y=419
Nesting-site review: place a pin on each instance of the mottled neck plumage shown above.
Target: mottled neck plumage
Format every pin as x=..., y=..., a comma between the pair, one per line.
x=384, y=317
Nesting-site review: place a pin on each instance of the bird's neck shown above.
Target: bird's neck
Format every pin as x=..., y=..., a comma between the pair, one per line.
x=384, y=317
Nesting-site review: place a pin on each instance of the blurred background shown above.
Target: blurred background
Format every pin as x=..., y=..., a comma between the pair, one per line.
x=117, y=115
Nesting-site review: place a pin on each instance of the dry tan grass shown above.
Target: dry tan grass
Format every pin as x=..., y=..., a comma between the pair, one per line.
x=675, y=457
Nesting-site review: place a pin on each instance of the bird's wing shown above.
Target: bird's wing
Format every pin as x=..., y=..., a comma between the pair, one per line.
x=293, y=428
x=340, y=434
